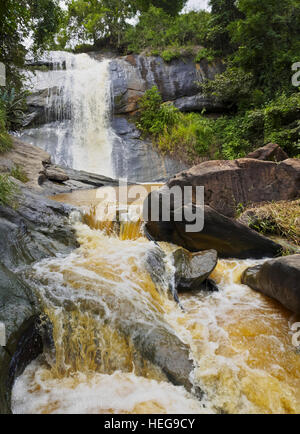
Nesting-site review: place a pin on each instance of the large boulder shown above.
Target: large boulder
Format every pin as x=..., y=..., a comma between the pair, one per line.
x=279, y=279
x=192, y=269
x=228, y=237
x=244, y=181
x=132, y=75
x=164, y=349
x=36, y=229
x=269, y=152
x=18, y=312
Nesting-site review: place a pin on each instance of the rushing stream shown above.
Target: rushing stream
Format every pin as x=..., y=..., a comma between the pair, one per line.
x=101, y=298
x=106, y=308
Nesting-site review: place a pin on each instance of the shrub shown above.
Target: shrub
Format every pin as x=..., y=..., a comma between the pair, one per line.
x=165, y=35
x=278, y=218
x=5, y=139
x=14, y=104
x=153, y=114
x=7, y=190
x=232, y=87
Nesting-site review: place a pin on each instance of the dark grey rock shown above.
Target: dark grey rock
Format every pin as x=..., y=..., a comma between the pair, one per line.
x=133, y=75
x=197, y=103
x=165, y=350
x=228, y=237
x=278, y=279
x=18, y=312
x=192, y=269
x=136, y=159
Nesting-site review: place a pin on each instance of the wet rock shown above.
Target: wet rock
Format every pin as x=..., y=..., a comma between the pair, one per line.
x=56, y=173
x=40, y=107
x=192, y=269
x=18, y=312
x=29, y=158
x=278, y=279
x=164, y=349
x=228, y=237
x=36, y=229
x=140, y=162
x=245, y=181
x=132, y=75
x=269, y=152
x=156, y=267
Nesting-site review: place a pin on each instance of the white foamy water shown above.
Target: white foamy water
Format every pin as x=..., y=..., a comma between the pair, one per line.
x=78, y=132
x=101, y=300
x=36, y=392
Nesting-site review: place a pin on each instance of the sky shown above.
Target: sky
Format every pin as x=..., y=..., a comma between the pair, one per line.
x=197, y=4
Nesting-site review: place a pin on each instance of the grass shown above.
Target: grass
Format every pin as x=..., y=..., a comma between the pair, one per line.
x=7, y=191
x=278, y=218
x=18, y=172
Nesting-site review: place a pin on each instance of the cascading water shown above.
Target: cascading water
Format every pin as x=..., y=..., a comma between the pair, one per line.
x=77, y=132
x=102, y=303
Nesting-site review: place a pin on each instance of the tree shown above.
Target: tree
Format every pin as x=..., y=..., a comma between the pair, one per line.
x=99, y=19
x=223, y=12
x=267, y=40
x=39, y=19
x=171, y=7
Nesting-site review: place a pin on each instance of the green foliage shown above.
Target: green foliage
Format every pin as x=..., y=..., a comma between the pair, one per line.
x=7, y=191
x=171, y=7
x=232, y=87
x=153, y=114
x=156, y=30
x=97, y=20
x=18, y=173
x=205, y=53
x=223, y=13
x=193, y=136
x=37, y=19
x=14, y=104
x=267, y=41
x=189, y=135
x=5, y=140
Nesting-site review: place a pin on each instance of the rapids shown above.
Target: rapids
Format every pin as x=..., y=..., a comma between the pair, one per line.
x=101, y=295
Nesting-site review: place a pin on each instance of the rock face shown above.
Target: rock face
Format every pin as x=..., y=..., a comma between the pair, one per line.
x=269, y=152
x=18, y=310
x=140, y=162
x=192, y=269
x=279, y=279
x=44, y=177
x=132, y=75
x=228, y=237
x=244, y=181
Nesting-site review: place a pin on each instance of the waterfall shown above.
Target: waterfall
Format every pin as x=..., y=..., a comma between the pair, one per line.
x=106, y=308
x=77, y=133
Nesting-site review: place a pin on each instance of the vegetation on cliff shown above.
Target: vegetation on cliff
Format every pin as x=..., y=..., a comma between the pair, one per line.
x=258, y=41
